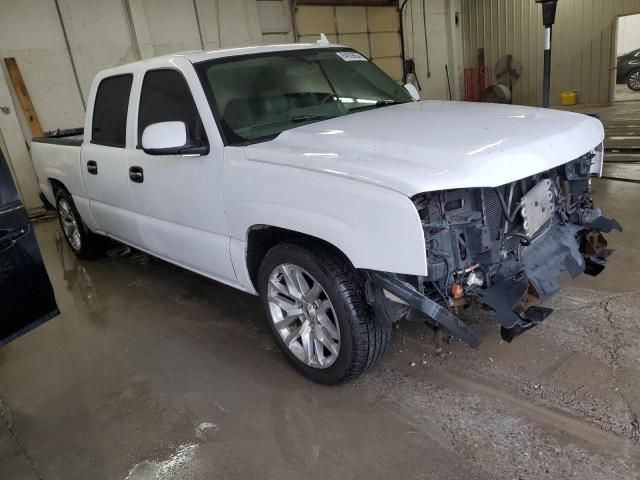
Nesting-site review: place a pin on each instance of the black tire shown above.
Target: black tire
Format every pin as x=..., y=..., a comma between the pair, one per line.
x=363, y=337
x=90, y=244
x=633, y=80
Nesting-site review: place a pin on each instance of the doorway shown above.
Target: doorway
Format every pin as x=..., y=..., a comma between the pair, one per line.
x=627, y=85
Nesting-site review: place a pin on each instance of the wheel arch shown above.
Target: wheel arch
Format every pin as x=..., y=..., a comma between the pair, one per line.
x=375, y=227
x=635, y=69
x=261, y=238
x=56, y=185
x=81, y=203
x=628, y=77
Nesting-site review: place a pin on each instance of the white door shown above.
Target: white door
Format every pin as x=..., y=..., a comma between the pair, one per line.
x=178, y=199
x=104, y=161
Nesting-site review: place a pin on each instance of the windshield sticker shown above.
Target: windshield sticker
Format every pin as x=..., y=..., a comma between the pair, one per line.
x=351, y=57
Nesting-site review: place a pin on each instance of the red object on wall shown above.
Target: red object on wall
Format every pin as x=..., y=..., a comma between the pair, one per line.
x=471, y=91
x=483, y=73
x=475, y=79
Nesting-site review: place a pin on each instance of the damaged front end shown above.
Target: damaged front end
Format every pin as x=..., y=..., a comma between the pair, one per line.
x=504, y=248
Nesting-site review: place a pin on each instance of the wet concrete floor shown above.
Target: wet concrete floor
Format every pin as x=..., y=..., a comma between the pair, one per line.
x=625, y=94
x=153, y=372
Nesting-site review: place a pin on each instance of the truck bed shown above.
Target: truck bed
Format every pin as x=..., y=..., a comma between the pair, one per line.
x=58, y=156
x=71, y=137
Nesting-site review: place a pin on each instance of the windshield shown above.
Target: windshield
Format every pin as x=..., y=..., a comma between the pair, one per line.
x=257, y=97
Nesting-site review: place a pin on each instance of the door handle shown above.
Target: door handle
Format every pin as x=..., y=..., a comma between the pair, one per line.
x=136, y=174
x=92, y=167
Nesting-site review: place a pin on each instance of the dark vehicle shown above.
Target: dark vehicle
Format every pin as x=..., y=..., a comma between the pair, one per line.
x=26, y=295
x=629, y=70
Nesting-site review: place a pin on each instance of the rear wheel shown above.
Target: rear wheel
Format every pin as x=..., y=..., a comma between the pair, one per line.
x=633, y=80
x=83, y=242
x=315, y=306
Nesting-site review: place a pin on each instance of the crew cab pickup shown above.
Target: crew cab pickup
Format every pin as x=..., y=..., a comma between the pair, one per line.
x=304, y=174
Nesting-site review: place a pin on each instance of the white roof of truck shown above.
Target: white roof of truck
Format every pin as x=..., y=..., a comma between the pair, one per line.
x=201, y=55
x=196, y=56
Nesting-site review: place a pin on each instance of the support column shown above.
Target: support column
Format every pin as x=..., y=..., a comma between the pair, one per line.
x=548, y=19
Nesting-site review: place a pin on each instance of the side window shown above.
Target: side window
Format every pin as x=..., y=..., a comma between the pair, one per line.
x=109, y=124
x=166, y=97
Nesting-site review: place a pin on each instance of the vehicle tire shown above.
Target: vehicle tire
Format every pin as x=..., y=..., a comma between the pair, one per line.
x=633, y=80
x=82, y=241
x=315, y=306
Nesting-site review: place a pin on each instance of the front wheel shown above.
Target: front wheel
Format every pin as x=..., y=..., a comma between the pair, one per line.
x=633, y=80
x=315, y=306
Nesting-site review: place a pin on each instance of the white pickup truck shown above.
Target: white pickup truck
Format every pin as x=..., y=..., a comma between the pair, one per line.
x=306, y=175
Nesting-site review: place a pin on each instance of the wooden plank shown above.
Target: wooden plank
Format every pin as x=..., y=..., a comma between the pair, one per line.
x=23, y=96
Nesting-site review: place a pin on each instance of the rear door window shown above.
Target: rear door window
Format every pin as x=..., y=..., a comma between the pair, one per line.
x=109, y=124
x=166, y=97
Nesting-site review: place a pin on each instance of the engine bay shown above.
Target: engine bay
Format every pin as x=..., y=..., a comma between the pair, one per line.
x=506, y=247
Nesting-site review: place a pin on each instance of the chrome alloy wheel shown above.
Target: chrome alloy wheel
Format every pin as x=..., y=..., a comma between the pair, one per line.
x=634, y=80
x=303, y=315
x=69, y=224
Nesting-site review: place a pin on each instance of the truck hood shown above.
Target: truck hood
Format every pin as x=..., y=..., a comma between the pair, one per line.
x=432, y=145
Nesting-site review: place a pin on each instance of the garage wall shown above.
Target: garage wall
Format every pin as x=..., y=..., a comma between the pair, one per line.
x=583, y=44
x=98, y=35
x=372, y=30
x=59, y=45
x=106, y=33
x=628, y=38
x=29, y=31
x=440, y=49
x=375, y=32
x=276, y=25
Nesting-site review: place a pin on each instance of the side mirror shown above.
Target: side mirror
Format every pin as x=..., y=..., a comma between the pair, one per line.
x=413, y=91
x=171, y=138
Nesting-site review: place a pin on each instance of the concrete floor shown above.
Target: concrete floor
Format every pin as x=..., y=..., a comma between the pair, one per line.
x=625, y=94
x=152, y=372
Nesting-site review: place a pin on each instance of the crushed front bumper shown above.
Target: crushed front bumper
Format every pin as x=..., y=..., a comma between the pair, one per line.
x=514, y=296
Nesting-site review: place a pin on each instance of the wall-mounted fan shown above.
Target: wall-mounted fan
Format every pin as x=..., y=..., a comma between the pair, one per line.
x=496, y=94
x=507, y=72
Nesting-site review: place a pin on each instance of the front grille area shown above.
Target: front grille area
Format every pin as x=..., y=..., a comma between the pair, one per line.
x=481, y=231
x=467, y=227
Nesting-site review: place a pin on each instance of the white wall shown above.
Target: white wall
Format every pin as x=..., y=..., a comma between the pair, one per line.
x=103, y=34
x=30, y=31
x=628, y=34
x=443, y=46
